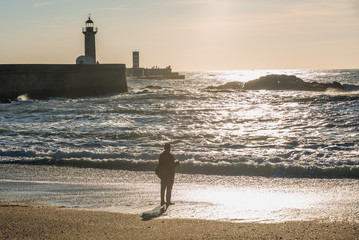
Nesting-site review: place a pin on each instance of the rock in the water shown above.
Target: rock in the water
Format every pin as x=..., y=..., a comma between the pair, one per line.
x=153, y=87
x=230, y=85
x=286, y=82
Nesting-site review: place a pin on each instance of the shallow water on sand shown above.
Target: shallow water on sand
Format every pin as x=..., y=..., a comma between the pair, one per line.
x=225, y=198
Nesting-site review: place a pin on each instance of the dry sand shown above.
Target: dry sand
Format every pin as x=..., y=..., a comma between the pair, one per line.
x=26, y=220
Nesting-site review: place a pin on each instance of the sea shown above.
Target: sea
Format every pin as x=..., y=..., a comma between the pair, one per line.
x=245, y=155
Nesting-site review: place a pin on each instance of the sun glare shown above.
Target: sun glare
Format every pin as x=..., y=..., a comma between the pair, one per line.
x=252, y=204
x=254, y=199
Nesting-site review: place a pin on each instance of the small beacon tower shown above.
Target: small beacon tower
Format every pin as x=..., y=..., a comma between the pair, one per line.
x=136, y=59
x=89, y=31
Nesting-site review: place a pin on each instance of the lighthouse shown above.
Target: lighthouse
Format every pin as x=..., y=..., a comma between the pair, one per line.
x=90, y=51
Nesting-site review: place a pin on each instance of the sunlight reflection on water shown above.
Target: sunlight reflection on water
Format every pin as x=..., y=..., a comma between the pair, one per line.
x=249, y=204
x=267, y=200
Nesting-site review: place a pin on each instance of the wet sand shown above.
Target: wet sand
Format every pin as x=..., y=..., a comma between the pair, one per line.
x=28, y=220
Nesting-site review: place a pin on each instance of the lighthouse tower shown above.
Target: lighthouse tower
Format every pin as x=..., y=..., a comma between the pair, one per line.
x=89, y=31
x=136, y=59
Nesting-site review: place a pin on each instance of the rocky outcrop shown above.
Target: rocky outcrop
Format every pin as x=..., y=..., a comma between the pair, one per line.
x=286, y=82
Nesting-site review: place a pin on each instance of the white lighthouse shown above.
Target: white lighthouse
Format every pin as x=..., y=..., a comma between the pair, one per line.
x=90, y=51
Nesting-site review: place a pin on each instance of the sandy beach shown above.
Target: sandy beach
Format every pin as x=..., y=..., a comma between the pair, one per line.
x=29, y=220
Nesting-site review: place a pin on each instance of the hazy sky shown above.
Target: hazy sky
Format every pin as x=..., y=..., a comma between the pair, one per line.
x=187, y=34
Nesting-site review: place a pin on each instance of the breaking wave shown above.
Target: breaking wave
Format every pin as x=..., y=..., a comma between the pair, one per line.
x=196, y=167
x=221, y=128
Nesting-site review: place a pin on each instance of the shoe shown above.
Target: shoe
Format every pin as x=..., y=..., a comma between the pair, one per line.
x=170, y=203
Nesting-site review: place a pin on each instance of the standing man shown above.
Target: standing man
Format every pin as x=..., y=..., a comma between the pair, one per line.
x=166, y=171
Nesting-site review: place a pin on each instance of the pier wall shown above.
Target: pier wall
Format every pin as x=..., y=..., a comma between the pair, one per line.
x=42, y=81
x=157, y=71
x=153, y=73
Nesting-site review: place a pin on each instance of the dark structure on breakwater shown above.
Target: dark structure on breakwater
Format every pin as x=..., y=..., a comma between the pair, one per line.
x=150, y=73
x=42, y=81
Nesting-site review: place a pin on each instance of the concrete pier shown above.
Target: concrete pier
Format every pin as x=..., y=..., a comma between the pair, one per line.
x=41, y=81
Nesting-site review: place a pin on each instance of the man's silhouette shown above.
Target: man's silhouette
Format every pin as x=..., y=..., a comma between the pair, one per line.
x=166, y=168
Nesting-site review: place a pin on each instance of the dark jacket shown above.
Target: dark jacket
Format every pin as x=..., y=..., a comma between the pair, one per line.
x=166, y=165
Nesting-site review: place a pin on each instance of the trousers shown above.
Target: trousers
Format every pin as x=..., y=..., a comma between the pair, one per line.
x=166, y=186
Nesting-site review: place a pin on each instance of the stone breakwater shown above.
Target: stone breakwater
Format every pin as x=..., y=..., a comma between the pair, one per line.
x=41, y=81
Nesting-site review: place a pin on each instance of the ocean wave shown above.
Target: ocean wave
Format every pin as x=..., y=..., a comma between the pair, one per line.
x=225, y=130
x=227, y=86
x=195, y=167
x=326, y=98
x=351, y=87
x=5, y=130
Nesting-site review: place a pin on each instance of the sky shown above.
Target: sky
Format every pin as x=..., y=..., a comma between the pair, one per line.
x=186, y=34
